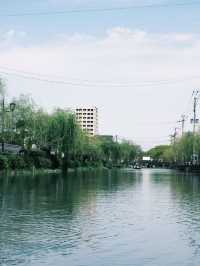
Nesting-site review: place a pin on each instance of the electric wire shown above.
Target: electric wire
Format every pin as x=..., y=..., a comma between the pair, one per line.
x=87, y=83
x=100, y=10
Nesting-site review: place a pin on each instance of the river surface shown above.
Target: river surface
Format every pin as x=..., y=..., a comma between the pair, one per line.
x=100, y=218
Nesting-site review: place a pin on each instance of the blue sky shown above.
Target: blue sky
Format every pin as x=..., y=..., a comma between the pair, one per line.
x=40, y=28
x=137, y=48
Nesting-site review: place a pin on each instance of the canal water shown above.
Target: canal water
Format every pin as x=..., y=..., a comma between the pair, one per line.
x=100, y=218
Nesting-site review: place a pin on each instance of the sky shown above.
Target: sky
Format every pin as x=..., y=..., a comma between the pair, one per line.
x=138, y=66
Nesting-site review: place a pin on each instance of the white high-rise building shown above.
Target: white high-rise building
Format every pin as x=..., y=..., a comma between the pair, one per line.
x=88, y=119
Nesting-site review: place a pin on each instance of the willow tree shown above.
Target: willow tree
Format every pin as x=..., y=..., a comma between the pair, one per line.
x=24, y=120
x=129, y=151
x=184, y=147
x=41, y=128
x=69, y=140
x=63, y=136
x=2, y=87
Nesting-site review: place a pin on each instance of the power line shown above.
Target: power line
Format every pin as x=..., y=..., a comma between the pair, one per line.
x=85, y=83
x=188, y=105
x=195, y=121
x=159, y=123
x=182, y=121
x=152, y=141
x=99, y=10
x=185, y=115
x=42, y=79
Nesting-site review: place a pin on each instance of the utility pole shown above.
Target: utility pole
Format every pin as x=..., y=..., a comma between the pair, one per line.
x=194, y=111
x=182, y=121
x=173, y=136
x=3, y=112
x=3, y=124
x=194, y=121
x=173, y=142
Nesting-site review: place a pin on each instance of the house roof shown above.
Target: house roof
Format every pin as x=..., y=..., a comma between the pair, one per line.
x=11, y=148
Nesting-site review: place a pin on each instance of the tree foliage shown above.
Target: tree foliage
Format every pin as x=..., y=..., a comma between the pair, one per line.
x=159, y=152
x=57, y=137
x=180, y=152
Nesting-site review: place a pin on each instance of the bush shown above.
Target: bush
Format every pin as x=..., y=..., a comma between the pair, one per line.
x=4, y=164
x=29, y=162
x=16, y=162
x=74, y=163
x=77, y=164
x=55, y=163
x=41, y=162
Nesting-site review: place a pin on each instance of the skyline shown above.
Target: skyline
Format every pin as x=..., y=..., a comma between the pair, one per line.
x=154, y=58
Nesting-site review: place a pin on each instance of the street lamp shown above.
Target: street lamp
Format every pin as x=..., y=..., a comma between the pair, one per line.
x=4, y=111
x=12, y=107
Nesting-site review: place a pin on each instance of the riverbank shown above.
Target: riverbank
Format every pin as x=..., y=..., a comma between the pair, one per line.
x=189, y=169
x=34, y=171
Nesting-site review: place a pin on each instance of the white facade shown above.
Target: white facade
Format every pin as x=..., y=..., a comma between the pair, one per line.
x=88, y=119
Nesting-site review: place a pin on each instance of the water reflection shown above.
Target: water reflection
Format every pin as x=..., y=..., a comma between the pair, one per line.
x=37, y=211
x=184, y=204
x=67, y=192
x=123, y=217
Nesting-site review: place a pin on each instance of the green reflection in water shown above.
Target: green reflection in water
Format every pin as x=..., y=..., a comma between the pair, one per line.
x=122, y=217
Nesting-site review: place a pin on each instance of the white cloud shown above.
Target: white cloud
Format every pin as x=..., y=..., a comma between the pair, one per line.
x=123, y=56
x=11, y=38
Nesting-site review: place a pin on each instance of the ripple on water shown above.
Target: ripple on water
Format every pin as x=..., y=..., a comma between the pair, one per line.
x=121, y=218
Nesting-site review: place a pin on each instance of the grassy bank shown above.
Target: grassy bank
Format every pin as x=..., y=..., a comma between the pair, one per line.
x=43, y=162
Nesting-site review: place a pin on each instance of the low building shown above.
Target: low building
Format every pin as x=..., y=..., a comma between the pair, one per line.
x=105, y=138
x=146, y=159
x=11, y=148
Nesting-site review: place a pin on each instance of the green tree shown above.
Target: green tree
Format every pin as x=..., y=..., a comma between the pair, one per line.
x=158, y=153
